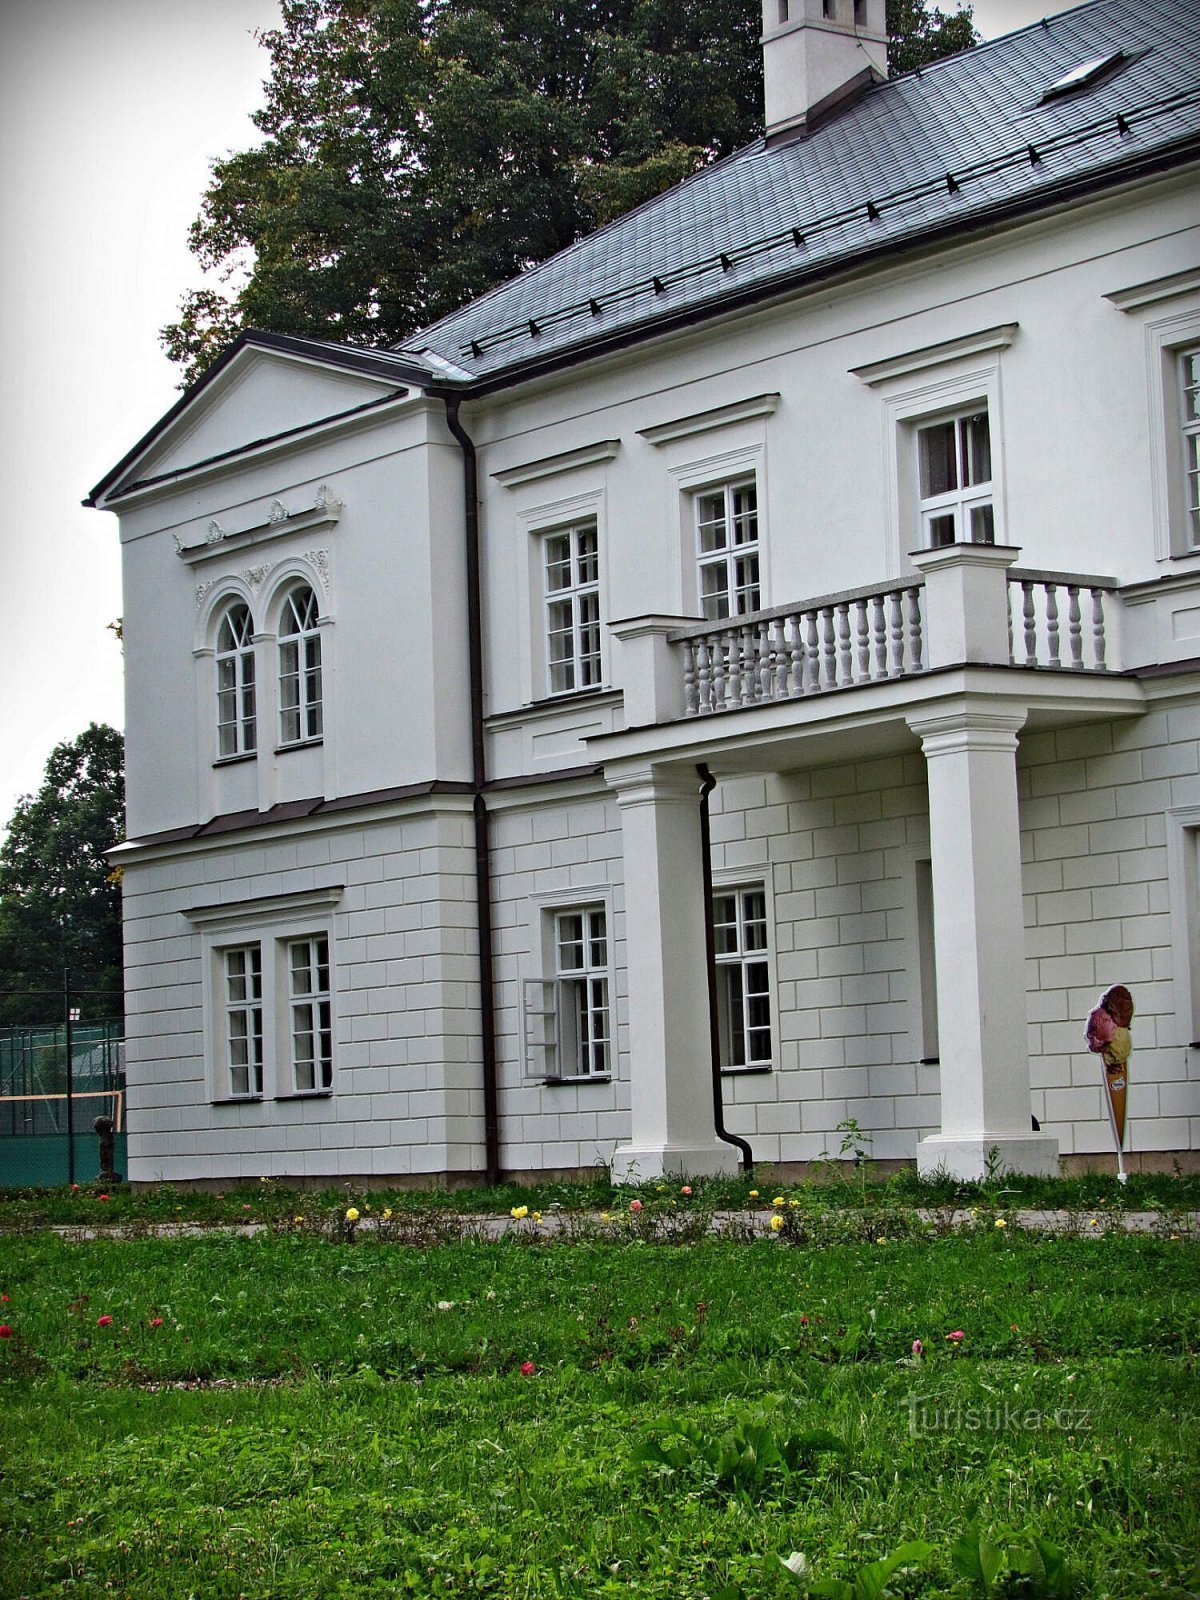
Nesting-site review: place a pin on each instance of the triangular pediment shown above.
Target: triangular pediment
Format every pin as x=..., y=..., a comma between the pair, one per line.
x=258, y=395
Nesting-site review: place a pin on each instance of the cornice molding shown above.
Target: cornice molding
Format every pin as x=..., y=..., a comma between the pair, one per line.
x=759, y=405
x=985, y=342
x=219, y=541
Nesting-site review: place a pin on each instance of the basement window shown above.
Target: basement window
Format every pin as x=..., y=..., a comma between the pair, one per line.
x=1085, y=75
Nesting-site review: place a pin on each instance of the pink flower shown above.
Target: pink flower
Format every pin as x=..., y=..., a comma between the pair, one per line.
x=957, y=1336
x=528, y=1368
x=103, y=1322
x=803, y=1321
x=101, y=1197
x=635, y=1205
x=686, y=1189
x=156, y=1322
x=918, y=1348
x=5, y=1331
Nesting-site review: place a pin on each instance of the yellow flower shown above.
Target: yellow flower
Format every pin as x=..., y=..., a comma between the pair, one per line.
x=387, y=1212
x=794, y=1204
x=778, y=1200
x=537, y=1216
x=754, y=1194
x=352, y=1215
x=518, y=1212
x=297, y=1219
x=776, y=1223
x=1000, y=1222
x=605, y=1216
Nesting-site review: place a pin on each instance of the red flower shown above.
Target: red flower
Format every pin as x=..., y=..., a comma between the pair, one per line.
x=5, y=1331
x=804, y=1322
x=4, y=1297
x=103, y=1322
x=528, y=1368
x=101, y=1197
x=156, y=1322
x=635, y=1205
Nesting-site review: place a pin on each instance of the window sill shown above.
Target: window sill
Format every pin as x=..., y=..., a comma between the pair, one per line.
x=756, y=1071
x=307, y=1094
x=238, y=1100
x=573, y=1083
x=298, y=744
x=236, y=761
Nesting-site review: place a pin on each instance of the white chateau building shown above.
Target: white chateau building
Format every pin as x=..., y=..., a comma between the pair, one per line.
x=802, y=572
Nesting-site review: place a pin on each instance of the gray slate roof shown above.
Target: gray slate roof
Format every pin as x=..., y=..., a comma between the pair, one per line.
x=940, y=150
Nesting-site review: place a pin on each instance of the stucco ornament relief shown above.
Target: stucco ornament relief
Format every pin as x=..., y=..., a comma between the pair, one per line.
x=255, y=575
x=320, y=561
x=214, y=533
x=203, y=589
x=278, y=513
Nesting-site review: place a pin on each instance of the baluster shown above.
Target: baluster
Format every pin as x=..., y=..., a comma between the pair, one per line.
x=796, y=653
x=766, y=662
x=1052, y=638
x=812, y=655
x=862, y=628
x=781, y=657
x=1074, y=628
x=689, y=678
x=845, y=648
x=704, y=677
x=1012, y=660
x=731, y=649
x=1098, y=638
x=749, y=637
x=720, y=688
x=828, y=650
x=879, y=629
x=1029, y=614
x=916, y=639
x=896, y=623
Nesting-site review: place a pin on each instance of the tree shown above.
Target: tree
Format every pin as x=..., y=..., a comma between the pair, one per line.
x=60, y=900
x=417, y=152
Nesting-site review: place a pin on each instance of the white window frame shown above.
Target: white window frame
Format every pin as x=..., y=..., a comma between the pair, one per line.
x=733, y=968
x=580, y=665
x=275, y=925
x=310, y=1013
x=553, y=1036
x=236, y=687
x=300, y=675
x=533, y=523
x=722, y=506
x=967, y=503
x=242, y=1037
x=1188, y=363
x=1183, y=876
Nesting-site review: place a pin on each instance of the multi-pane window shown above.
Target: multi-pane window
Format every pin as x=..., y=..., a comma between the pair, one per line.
x=581, y=981
x=236, y=715
x=1189, y=363
x=954, y=459
x=311, y=1014
x=727, y=550
x=300, y=715
x=244, y=1020
x=743, y=982
x=572, y=565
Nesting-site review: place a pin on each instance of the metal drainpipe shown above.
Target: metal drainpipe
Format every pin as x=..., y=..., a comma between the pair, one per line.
x=707, y=785
x=483, y=865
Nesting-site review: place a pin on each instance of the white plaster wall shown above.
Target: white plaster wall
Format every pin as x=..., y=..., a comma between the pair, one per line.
x=407, y=1096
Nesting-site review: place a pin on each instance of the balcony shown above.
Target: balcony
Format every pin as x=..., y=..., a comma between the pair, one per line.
x=967, y=606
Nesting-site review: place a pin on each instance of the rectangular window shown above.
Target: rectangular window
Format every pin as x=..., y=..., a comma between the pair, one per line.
x=311, y=1014
x=954, y=466
x=572, y=567
x=300, y=689
x=244, y=1020
x=727, y=550
x=581, y=982
x=743, y=977
x=1189, y=365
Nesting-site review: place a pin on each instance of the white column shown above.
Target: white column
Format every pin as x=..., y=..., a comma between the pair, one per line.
x=970, y=752
x=669, y=1052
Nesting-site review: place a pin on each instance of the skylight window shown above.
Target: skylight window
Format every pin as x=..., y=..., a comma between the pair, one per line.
x=1084, y=75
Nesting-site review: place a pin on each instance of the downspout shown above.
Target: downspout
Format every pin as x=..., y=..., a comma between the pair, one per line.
x=707, y=785
x=483, y=864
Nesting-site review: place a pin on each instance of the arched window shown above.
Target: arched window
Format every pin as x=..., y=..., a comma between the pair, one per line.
x=299, y=669
x=236, y=719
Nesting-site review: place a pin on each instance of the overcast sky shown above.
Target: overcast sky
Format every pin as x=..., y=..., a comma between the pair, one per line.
x=110, y=114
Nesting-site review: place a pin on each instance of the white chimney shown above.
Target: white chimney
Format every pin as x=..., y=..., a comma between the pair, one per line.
x=817, y=53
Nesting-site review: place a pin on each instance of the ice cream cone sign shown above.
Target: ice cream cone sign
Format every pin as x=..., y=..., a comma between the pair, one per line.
x=1108, y=1037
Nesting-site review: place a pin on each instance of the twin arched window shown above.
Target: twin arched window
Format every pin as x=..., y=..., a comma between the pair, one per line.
x=300, y=695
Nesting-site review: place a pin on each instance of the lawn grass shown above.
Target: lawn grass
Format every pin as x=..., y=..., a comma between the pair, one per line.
x=315, y=1417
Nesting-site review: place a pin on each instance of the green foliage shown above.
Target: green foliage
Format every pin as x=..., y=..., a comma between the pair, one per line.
x=748, y=1457
x=60, y=901
x=416, y=154
x=919, y=33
